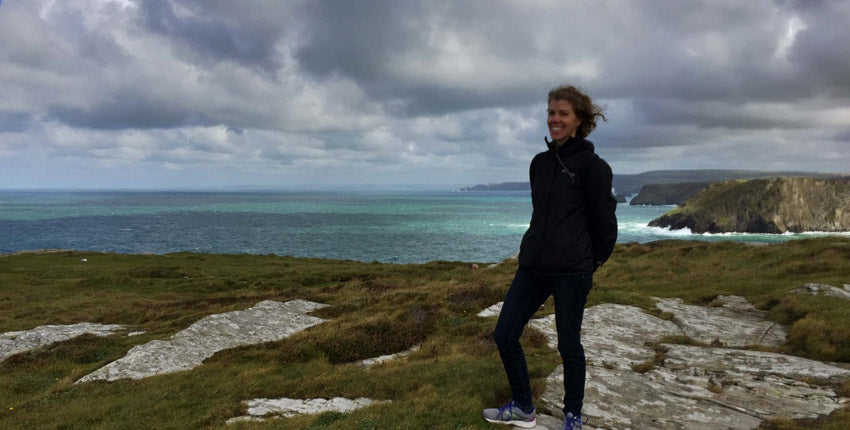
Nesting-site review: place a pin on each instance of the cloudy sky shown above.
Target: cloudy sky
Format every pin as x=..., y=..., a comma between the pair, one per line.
x=220, y=93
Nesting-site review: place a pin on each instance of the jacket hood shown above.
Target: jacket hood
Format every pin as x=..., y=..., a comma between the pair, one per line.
x=572, y=145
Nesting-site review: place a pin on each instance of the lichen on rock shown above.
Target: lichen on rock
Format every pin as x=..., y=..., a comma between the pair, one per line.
x=267, y=321
x=15, y=342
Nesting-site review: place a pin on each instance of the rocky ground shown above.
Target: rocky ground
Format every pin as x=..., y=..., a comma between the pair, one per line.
x=635, y=380
x=640, y=374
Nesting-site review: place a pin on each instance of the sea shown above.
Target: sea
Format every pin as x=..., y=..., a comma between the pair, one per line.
x=383, y=226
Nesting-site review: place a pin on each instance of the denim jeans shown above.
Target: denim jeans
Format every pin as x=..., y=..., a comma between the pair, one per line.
x=527, y=293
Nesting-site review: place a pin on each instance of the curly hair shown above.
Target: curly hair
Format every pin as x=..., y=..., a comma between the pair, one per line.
x=583, y=106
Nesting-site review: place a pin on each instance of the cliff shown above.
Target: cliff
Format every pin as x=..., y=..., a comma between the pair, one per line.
x=630, y=183
x=667, y=194
x=768, y=205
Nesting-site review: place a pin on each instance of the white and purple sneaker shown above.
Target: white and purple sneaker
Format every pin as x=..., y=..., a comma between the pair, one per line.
x=511, y=414
x=573, y=422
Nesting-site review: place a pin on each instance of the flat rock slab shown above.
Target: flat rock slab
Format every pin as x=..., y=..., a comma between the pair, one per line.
x=727, y=325
x=15, y=342
x=385, y=358
x=693, y=387
x=824, y=290
x=752, y=362
x=491, y=311
x=615, y=336
x=267, y=321
x=260, y=409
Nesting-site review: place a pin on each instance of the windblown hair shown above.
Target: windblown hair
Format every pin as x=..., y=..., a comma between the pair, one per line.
x=583, y=106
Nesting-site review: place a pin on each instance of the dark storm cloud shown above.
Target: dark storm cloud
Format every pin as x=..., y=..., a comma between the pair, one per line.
x=130, y=109
x=369, y=42
x=14, y=121
x=711, y=114
x=445, y=87
x=843, y=136
x=214, y=31
x=727, y=51
x=819, y=51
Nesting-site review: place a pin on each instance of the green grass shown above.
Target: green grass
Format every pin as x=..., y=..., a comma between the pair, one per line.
x=375, y=309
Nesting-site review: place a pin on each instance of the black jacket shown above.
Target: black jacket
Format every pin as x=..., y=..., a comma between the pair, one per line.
x=573, y=227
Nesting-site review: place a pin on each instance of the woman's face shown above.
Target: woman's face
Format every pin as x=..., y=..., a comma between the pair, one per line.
x=562, y=120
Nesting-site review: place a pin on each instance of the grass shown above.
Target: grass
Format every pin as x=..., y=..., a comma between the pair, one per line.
x=375, y=309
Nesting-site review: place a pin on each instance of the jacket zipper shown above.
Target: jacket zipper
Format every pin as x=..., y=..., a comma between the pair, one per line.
x=546, y=214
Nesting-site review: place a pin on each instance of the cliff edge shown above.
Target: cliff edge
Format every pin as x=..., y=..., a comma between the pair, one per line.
x=767, y=205
x=667, y=194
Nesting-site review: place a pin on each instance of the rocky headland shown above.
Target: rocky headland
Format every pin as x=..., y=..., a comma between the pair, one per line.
x=631, y=183
x=667, y=194
x=769, y=205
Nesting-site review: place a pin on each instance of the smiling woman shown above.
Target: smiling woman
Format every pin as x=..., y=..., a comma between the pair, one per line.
x=572, y=232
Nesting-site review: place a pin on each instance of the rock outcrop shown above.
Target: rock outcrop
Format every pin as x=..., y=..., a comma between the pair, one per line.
x=369, y=362
x=635, y=382
x=268, y=321
x=732, y=324
x=770, y=205
x=824, y=290
x=667, y=194
x=261, y=409
x=15, y=342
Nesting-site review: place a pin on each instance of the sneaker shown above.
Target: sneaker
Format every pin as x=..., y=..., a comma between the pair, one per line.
x=573, y=422
x=511, y=414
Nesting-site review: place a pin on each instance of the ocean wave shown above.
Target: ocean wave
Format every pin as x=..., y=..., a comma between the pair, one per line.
x=510, y=225
x=665, y=231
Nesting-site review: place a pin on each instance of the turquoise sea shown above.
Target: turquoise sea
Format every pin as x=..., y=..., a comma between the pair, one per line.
x=398, y=227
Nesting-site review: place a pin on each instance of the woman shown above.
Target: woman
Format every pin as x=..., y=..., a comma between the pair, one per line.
x=572, y=232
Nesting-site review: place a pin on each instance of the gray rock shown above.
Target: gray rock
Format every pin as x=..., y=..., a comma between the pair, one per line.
x=15, y=342
x=731, y=324
x=492, y=311
x=693, y=387
x=384, y=358
x=266, y=322
x=259, y=409
x=615, y=335
x=823, y=290
x=752, y=362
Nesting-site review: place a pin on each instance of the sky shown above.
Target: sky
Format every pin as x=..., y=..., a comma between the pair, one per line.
x=278, y=94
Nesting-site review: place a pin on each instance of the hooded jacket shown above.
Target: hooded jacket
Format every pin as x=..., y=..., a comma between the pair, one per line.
x=573, y=226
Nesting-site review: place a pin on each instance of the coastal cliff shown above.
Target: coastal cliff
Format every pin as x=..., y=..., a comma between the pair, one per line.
x=768, y=205
x=667, y=194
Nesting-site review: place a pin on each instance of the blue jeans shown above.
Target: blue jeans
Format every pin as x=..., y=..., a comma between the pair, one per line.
x=527, y=293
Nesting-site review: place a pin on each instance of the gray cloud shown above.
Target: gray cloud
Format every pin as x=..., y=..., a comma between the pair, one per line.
x=436, y=89
x=131, y=109
x=14, y=121
x=213, y=31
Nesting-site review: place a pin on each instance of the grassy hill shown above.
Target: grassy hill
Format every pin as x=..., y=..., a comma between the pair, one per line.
x=375, y=309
